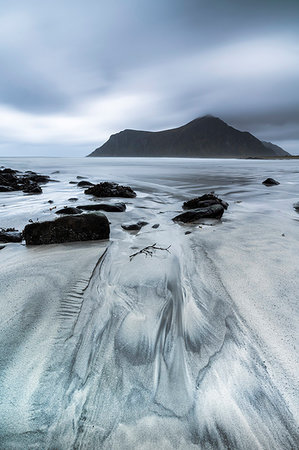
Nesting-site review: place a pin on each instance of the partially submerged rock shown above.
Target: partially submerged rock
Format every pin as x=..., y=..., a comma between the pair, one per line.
x=296, y=206
x=117, y=207
x=69, y=210
x=84, y=184
x=193, y=215
x=10, y=235
x=270, y=182
x=73, y=199
x=68, y=229
x=107, y=189
x=204, y=201
x=28, y=182
x=208, y=206
x=134, y=226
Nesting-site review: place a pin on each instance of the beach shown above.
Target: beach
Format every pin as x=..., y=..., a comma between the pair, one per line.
x=193, y=347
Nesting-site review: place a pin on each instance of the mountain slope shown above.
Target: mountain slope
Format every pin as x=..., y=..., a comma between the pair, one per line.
x=205, y=137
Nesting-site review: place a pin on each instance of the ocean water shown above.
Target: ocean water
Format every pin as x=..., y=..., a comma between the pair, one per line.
x=194, y=347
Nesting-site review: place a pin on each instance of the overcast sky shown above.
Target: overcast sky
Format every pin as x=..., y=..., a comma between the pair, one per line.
x=74, y=72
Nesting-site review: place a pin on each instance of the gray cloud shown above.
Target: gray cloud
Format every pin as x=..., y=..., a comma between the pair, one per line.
x=72, y=72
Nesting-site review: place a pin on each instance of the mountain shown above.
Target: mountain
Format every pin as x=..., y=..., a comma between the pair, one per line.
x=276, y=149
x=205, y=137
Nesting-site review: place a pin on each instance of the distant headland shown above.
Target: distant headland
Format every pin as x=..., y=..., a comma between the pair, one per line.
x=204, y=137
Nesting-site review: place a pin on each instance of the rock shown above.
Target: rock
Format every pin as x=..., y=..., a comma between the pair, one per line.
x=50, y=201
x=117, y=207
x=32, y=188
x=72, y=182
x=73, y=199
x=107, y=189
x=187, y=232
x=204, y=201
x=68, y=229
x=270, y=182
x=193, y=215
x=69, y=210
x=80, y=178
x=296, y=206
x=55, y=172
x=134, y=226
x=10, y=235
x=2, y=247
x=84, y=184
x=156, y=225
x=28, y=182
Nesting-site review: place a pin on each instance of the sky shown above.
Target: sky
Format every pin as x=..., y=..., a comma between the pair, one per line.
x=74, y=72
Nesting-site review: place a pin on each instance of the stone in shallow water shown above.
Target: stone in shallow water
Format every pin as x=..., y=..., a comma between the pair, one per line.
x=270, y=182
x=296, y=206
x=204, y=201
x=107, y=189
x=134, y=226
x=117, y=207
x=193, y=215
x=69, y=210
x=10, y=235
x=68, y=229
x=84, y=183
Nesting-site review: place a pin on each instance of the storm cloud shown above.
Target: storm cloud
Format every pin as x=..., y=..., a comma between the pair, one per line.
x=74, y=72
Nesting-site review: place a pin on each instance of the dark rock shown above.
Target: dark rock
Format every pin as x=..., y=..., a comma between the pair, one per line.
x=117, y=207
x=73, y=199
x=204, y=201
x=84, y=184
x=296, y=206
x=193, y=215
x=7, y=188
x=72, y=182
x=156, y=225
x=107, y=189
x=69, y=210
x=32, y=188
x=270, y=182
x=2, y=247
x=80, y=178
x=50, y=201
x=187, y=232
x=68, y=229
x=134, y=226
x=10, y=235
x=28, y=182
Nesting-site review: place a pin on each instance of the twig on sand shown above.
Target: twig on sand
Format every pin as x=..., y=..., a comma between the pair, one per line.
x=149, y=250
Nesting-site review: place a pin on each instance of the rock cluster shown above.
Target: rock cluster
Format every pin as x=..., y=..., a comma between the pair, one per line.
x=107, y=189
x=208, y=206
x=28, y=182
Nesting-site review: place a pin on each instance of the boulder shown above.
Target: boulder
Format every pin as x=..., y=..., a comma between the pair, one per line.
x=270, y=182
x=193, y=215
x=107, y=189
x=84, y=183
x=10, y=235
x=32, y=188
x=134, y=226
x=204, y=201
x=69, y=210
x=68, y=229
x=117, y=207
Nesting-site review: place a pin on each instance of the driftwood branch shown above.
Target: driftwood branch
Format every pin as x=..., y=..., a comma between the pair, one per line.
x=149, y=250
